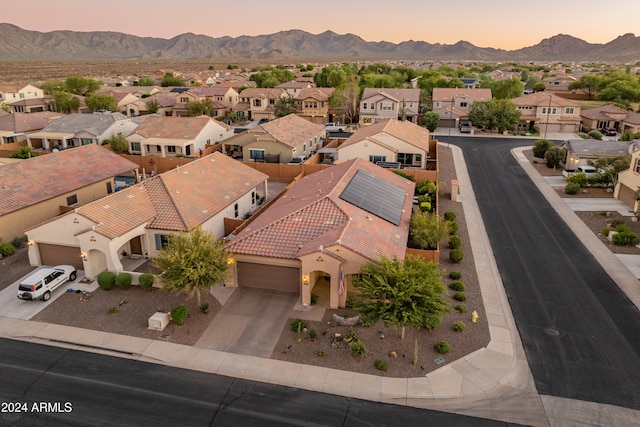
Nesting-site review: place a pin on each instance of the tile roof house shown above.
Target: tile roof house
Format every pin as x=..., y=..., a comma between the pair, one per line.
x=259, y=103
x=313, y=104
x=40, y=188
x=391, y=141
x=137, y=220
x=276, y=141
x=580, y=151
x=549, y=112
x=15, y=127
x=74, y=130
x=176, y=136
x=327, y=225
x=453, y=104
x=629, y=182
x=610, y=116
x=388, y=103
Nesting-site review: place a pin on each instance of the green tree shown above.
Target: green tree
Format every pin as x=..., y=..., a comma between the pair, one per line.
x=101, y=102
x=587, y=83
x=500, y=114
x=23, y=153
x=346, y=97
x=431, y=120
x=504, y=89
x=64, y=102
x=52, y=85
x=192, y=262
x=204, y=107
x=170, y=80
x=284, y=106
x=428, y=229
x=145, y=81
x=540, y=148
x=118, y=143
x=554, y=156
x=152, y=106
x=81, y=85
x=609, y=167
x=401, y=293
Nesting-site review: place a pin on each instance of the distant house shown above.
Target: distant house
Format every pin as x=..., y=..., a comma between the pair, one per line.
x=389, y=141
x=138, y=220
x=277, y=141
x=321, y=231
x=313, y=104
x=74, y=130
x=15, y=127
x=580, y=151
x=43, y=187
x=388, y=103
x=610, y=116
x=294, y=87
x=549, y=112
x=629, y=182
x=453, y=104
x=259, y=103
x=176, y=136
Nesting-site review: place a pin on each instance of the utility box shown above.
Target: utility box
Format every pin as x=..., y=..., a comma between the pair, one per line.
x=158, y=321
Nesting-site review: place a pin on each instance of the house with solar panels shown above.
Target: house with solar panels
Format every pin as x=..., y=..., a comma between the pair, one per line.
x=321, y=231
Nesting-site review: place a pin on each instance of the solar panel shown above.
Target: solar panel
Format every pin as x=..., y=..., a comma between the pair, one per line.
x=375, y=196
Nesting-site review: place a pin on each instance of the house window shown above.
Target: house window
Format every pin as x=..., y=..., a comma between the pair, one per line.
x=417, y=158
x=257, y=103
x=304, y=148
x=184, y=100
x=86, y=141
x=236, y=210
x=376, y=159
x=72, y=200
x=373, y=106
x=386, y=106
x=253, y=197
x=256, y=155
x=171, y=149
x=135, y=146
x=405, y=158
x=568, y=110
x=637, y=168
x=109, y=188
x=162, y=240
x=364, y=105
x=463, y=105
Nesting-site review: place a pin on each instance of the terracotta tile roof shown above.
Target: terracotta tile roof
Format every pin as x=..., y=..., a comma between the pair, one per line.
x=23, y=122
x=292, y=130
x=317, y=93
x=541, y=99
x=177, y=200
x=186, y=128
x=35, y=180
x=405, y=131
x=312, y=214
x=399, y=95
x=445, y=94
x=601, y=113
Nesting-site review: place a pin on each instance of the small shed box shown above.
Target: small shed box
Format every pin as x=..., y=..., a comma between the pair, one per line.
x=158, y=321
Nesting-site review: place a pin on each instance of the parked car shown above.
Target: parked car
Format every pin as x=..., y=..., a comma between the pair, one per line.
x=263, y=121
x=42, y=282
x=297, y=160
x=465, y=128
x=609, y=132
x=334, y=127
x=589, y=171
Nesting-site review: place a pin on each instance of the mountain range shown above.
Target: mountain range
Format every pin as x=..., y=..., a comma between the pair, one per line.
x=24, y=45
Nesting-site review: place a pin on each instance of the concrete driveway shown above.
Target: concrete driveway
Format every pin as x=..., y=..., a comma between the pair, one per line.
x=250, y=322
x=13, y=307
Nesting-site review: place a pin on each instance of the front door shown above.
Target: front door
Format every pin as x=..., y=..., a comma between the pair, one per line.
x=136, y=245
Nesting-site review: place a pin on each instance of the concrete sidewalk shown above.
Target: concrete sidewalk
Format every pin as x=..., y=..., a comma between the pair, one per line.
x=494, y=382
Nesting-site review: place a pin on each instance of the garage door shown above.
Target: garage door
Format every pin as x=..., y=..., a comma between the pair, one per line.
x=264, y=276
x=627, y=195
x=58, y=254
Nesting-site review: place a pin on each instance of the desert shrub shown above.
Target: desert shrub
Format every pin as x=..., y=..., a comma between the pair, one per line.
x=453, y=227
x=571, y=188
x=178, y=314
x=554, y=156
x=358, y=349
x=146, y=280
x=455, y=275
x=621, y=228
x=381, y=365
x=459, y=296
x=450, y=216
x=350, y=302
x=540, y=148
x=459, y=326
x=422, y=199
x=123, y=280
x=404, y=175
x=432, y=321
x=614, y=223
x=457, y=286
x=426, y=187
x=7, y=249
x=625, y=238
x=106, y=280
x=298, y=324
x=204, y=307
x=605, y=231
x=460, y=308
x=455, y=242
x=442, y=347
x=578, y=178
x=314, y=298
x=113, y=310
x=313, y=333
x=456, y=256
x=595, y=134
x=627, y=135
x=16, y=242
x=425, y=206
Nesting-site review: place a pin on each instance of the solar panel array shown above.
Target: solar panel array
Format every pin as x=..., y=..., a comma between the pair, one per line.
x=375, y=196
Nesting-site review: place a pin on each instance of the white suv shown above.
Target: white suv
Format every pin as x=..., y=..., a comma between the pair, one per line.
x=42, y=282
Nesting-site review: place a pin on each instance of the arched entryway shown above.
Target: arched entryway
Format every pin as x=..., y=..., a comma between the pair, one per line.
x=96, y=263
x=320, y=287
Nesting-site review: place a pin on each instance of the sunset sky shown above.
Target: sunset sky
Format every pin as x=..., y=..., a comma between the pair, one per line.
x=494, y=23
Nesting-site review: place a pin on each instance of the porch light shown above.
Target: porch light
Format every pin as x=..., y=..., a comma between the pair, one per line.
x=30, y=242
x=305, y=278
x=230, y=261
x=83, y=255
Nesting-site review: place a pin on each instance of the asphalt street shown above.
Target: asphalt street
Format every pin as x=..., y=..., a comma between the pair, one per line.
x=74, y=388
x=581, y=334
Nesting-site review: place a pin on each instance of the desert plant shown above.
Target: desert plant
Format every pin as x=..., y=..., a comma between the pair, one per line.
x=614, y=223
x=622, y=227
x=605, y=231
x=456, y=256
x=455, y=242
x=595, y=134
x=146, y=280
x=554, y=156
x=16, y=242
x=453, y=227
x=624, y=238
x=457, y=286
x=459, y=296
x=404, y=175
x=540, y=148
x=571, y=188
x=415, y=352
x=381, y=365
x=350, y=302
x=298, y=324
x=178, y=314
x=442, y=347
x=459, y=326
x=450, y=216
x=460, y=308
x=314, y=298
x=428, y=230
x=313, y=333
x=113, y=310
x=321, y=354
x=106, y=280
x=357, y=348
x=204, y=307
x=123, y=280
x=7, y=249
x=579, y=178
x=455, y=275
